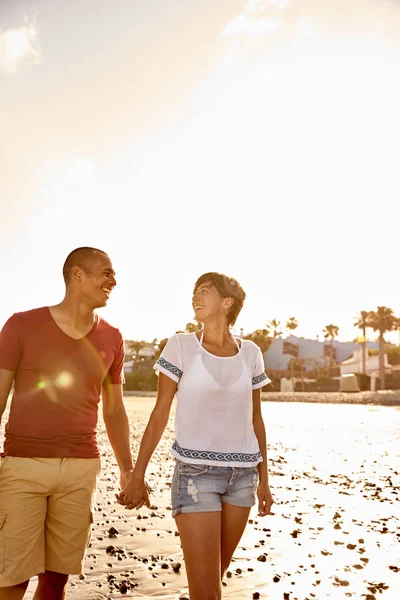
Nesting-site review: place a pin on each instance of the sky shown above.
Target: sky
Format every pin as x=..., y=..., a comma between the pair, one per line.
x=257, y=138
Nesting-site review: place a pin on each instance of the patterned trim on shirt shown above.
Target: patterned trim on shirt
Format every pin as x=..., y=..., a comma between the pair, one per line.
x=222, y=456
x=170, y=367
x=259, y=379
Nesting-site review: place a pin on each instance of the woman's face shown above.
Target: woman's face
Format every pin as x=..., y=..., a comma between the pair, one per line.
x=207, y=302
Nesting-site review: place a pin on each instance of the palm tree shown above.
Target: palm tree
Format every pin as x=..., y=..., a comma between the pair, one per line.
x=261, y=338
x=330, y=332
x=134, y=347
x=275, y=325
x=397, y=326
x=190, y=328
x=382, y=320
x=292, y=324
x=362, y=323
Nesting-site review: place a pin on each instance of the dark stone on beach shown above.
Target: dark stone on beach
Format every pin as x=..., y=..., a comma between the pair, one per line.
x=111, y=549
x=276, y=578
x=113, y=532
x=238, y=571
x=351, y=546
x=124, y=587
x=176, y=567
x=256, y=595
x=295, y=533
x=165, y=566
x=262, y=558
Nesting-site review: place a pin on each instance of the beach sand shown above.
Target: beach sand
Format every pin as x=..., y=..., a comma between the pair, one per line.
x=333, y=532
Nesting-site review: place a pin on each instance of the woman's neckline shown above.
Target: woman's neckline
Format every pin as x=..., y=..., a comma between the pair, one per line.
x=216, y=355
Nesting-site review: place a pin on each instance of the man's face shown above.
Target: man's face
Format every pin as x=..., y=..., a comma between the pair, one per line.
x=98, y=280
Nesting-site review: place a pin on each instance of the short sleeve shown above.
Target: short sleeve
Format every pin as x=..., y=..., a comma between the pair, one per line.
x=170, y=360
x=115, y=373
x=259, y=377
x=10, y=345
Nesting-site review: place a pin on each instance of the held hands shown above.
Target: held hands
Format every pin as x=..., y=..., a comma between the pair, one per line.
x=135, y=491
x=265, y=500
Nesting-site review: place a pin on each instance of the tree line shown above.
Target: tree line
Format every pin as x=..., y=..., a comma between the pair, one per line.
x=381, y=321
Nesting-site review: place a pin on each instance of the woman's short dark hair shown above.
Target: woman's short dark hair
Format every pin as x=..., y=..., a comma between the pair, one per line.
x=227, y=287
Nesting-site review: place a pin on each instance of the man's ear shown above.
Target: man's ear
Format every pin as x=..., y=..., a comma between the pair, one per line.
x=76, y=273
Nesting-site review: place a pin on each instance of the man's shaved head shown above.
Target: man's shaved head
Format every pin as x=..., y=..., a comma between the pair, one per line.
x=81, y=257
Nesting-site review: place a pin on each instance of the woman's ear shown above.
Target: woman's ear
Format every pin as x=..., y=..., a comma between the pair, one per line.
x=228, y=302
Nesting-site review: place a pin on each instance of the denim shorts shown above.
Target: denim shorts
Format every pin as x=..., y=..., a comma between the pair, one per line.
x=203, y=488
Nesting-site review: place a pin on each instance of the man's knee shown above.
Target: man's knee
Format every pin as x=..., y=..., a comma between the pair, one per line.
x=53, y=580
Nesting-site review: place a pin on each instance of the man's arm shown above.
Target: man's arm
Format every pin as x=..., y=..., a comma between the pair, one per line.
x=117, y=426
x=6, y=379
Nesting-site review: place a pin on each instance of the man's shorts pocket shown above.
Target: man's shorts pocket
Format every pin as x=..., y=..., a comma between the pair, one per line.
x=3, y=516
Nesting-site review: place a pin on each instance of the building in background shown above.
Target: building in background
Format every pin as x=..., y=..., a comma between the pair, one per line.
x=276, y=360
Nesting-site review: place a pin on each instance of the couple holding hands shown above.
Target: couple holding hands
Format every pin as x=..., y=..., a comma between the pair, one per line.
x=61, y=359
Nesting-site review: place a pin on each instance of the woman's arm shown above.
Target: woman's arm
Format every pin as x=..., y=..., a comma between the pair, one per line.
x=136, y=492
x=265, y=499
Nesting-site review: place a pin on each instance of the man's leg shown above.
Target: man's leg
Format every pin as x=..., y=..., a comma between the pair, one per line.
x=15, y=592
x=52, y=586
x=24, y=487
x=69, y=518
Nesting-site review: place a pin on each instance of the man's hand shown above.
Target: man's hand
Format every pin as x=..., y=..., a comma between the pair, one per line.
x=135, y=494
x=265, y=500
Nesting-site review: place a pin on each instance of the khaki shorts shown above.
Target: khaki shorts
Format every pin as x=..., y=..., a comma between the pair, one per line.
x=45, y=515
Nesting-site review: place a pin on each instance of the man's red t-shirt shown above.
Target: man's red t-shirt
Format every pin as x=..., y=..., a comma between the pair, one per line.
x=58, y=383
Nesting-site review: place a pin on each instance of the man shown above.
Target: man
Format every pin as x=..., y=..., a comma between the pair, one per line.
x=61, y=358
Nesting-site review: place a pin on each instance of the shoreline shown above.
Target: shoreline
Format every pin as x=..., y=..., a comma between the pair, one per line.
x=382, y=398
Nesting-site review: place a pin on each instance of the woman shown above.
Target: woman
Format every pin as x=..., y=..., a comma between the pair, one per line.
x=220, y=445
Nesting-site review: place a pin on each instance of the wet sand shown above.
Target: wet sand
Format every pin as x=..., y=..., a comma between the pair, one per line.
x=334, y=532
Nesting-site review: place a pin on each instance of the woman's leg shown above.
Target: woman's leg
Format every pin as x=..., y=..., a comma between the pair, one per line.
x=233, y=523
x=200, y=535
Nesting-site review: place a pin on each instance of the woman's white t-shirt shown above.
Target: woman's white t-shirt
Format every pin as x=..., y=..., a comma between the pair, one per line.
x=214, y=413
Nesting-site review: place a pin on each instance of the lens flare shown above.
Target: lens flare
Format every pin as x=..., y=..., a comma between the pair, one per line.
x=64, y=380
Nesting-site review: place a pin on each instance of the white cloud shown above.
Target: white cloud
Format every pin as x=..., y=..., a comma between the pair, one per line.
x=256, y=23
x=79, y=169
x=244, y=25
x=17, y=46
x=259, y=6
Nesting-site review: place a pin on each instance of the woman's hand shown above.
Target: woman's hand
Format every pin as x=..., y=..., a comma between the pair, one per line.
x=135, y=494
x=265, y=500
